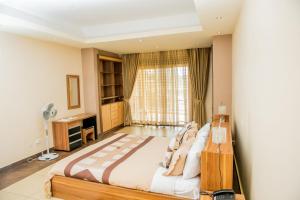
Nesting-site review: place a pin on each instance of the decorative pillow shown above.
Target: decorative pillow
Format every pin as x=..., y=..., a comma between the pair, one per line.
x=191, y=124
x=173, y=145
x=184, y=134
x=178, y=159
x=188, y=125
x=167, y=159
x=191, y=130
x=191, y=133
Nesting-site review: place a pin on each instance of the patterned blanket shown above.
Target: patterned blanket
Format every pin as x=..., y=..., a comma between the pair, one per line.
x=123, y=160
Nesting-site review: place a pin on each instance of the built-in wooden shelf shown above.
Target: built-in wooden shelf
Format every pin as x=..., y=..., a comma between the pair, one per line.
x=113, y=97
x=111, y=92
x=109, y=85
x=101, y=57
x=116, y=73
x=111, y=80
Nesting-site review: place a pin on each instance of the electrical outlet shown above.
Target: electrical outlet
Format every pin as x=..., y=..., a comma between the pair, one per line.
x=37, y=141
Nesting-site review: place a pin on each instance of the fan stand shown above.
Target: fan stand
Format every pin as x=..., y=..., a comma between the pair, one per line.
x=48, y=155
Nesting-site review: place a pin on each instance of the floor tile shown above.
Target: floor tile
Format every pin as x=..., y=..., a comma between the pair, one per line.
x=28, y=186
x=12, y=196
x=41, y=196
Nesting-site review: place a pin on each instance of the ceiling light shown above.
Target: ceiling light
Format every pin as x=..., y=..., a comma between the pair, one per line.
x=219, y=17
x=219, y=33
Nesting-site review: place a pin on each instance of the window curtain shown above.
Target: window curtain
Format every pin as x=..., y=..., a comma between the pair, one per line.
x=199, y=71
x=160, y=94
x=130, y=65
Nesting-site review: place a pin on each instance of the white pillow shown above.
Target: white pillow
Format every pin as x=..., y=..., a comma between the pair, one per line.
x=192, y=163
x=204, y=131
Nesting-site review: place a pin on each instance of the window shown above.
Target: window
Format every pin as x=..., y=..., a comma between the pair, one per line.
x=161, y=96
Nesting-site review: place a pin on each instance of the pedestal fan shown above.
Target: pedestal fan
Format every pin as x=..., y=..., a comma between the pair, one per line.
x=48, y=112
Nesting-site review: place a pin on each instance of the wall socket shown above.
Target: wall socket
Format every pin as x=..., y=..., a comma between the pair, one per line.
x=37, y=141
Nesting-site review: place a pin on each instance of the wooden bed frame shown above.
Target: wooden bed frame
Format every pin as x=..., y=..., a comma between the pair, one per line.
x=76, y=189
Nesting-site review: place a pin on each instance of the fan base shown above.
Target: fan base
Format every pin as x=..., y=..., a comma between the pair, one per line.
x=48, y=156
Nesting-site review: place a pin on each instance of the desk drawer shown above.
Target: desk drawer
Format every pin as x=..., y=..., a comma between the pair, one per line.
x=74, y=137
x=75, y=144
x=74, y=130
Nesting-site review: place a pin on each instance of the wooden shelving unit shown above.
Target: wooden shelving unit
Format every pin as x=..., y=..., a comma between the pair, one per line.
x=111, y=92
x=111, y=81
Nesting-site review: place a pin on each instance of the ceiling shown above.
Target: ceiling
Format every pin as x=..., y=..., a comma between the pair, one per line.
x=121, y=26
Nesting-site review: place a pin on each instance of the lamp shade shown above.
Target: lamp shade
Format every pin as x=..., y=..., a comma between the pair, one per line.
x=222, y=110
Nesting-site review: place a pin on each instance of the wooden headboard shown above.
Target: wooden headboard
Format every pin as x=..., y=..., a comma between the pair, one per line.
x=217, y=168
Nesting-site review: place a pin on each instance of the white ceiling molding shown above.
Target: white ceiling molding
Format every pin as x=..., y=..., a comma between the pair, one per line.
x=143, y=25
x=117, y=25
x=146, y=34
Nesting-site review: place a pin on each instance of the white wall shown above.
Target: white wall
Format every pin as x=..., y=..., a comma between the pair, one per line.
x=32, y=73
x=266, y=98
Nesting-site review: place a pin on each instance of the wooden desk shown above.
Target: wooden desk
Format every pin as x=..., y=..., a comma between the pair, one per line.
x=67, y=131
x=237, y=197
x=212, y=161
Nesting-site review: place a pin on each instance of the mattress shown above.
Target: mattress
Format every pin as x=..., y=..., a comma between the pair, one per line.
x=126, y=160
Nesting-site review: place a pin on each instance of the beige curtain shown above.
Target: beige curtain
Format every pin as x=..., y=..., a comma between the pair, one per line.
x=130, y=65
x=199, y=71
x=160, y=95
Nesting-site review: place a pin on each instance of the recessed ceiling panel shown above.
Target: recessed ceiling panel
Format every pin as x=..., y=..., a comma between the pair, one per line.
x=118, y=25
x=93, y=12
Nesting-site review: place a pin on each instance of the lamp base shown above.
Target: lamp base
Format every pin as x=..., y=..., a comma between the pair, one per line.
x=48, y=156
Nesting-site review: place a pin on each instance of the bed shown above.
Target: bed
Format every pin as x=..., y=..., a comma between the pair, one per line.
x=124, y=166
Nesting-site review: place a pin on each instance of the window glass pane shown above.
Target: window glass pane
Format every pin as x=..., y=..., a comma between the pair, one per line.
x=160, y=96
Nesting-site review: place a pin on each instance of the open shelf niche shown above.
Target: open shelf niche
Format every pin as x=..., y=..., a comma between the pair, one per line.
x=111, y=80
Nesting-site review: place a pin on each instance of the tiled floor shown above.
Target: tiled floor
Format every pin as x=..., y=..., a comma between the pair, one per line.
x=31, y=187
x=20, y=171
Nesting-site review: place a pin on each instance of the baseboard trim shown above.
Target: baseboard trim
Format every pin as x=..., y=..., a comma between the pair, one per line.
x=24, y=160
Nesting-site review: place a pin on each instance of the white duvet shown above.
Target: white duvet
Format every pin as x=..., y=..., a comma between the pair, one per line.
x=175, y=185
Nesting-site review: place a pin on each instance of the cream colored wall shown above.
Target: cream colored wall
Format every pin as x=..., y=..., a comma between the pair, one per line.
x=33, y=73
x=90, y=77
x=266, y=98
x=222, y=65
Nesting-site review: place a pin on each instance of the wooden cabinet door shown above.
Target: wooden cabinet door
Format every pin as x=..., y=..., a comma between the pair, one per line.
x=106, y=117
x=114, y=114
x=120, y=113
